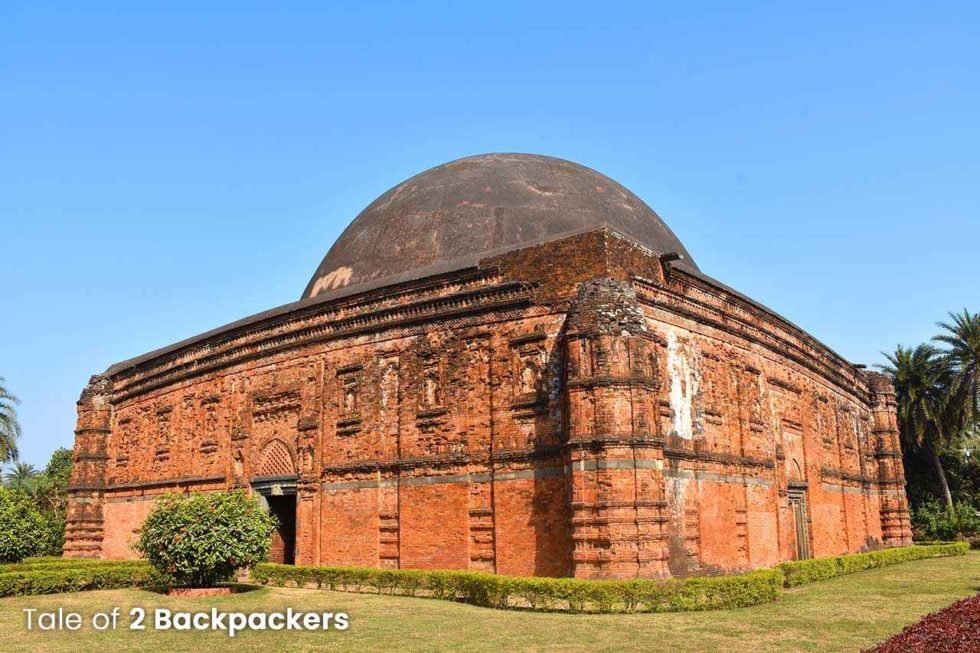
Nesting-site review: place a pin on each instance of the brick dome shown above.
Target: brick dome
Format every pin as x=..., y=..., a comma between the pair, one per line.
x=451, y=216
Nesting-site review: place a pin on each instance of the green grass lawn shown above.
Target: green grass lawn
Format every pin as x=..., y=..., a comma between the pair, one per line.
x=845, y=614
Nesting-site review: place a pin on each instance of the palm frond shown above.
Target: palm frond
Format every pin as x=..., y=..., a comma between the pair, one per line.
x=10, y=429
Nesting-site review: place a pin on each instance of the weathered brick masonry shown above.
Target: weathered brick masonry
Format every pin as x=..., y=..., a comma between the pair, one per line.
x=518, y=379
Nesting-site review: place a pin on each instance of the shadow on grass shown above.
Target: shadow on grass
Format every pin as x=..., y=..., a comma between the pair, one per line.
x=236, y=588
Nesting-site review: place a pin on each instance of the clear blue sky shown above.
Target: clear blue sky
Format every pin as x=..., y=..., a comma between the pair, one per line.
x=165, y=171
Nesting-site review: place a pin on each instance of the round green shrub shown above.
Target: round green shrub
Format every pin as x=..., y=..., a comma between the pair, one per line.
x=201, y=539
x=23, y=531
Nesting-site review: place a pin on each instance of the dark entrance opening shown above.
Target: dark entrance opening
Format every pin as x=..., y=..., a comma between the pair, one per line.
x=278, y=493
x=283, y=508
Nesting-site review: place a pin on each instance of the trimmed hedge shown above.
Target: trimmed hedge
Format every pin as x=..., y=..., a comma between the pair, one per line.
x=575, y=595
x=803, y=572
x=72, y=578
x=56, y=575
x=38, y=559
x=56, y=564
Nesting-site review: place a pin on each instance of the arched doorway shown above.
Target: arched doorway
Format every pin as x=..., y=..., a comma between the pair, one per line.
x=275, y=483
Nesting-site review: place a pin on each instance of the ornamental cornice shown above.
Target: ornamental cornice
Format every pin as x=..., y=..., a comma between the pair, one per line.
x=731, y=315
x=221, y=352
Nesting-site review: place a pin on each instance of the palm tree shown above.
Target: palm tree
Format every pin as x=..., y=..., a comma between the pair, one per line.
x=22, y=476
x=9, y=426
x=962, y=339
x=922, y=377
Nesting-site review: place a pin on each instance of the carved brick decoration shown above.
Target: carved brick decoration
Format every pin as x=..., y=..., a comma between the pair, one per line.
x=895, y=526
x=535, y=397
x=275, y=460
x=86, y=524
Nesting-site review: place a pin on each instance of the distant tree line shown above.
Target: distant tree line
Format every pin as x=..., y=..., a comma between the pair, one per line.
x=46, y=490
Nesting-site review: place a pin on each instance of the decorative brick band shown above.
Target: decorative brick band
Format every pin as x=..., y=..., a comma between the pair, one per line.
x=850, y=489
x=415, y=481
x=192, y=480
x=480, y=300
x=718, y=478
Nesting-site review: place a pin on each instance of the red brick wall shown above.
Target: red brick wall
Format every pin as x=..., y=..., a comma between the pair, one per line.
x=349, y=527
x=517, y=418
x=532, y=526
x=434, y=526
x=123, y=519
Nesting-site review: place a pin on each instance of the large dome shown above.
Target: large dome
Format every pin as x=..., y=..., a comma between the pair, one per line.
x=451, y=216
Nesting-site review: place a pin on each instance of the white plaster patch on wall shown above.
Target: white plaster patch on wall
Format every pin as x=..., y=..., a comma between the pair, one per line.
x=676, y=490
x=682, y=373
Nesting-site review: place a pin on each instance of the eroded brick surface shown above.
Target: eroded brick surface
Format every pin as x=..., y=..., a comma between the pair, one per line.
x=576, y=408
